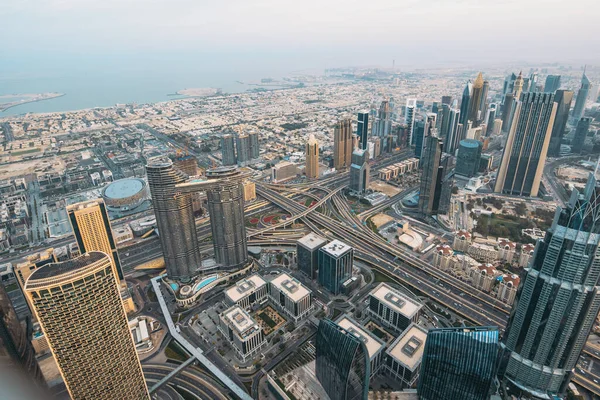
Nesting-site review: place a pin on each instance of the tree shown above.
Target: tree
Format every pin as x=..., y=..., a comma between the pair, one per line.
x=455, y=190
x=520, y=209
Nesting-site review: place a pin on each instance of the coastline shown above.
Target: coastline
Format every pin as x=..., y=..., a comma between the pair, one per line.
x=2, y=109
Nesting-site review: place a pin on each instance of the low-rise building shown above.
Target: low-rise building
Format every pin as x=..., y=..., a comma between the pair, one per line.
x=462, y=241
x=506, y=250
x=507, y=289
x=483, y=276
x=247, y=292
x=482, y=252
x=527, y=251
x=249, y=191
x=284, y=171
x=403, y=357
x=443, y=257
x=289, y=295
x=122, y=233
x=242, y=332
x=375, y=346
x=393, y=308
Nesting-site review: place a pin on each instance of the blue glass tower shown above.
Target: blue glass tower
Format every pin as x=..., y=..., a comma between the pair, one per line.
x=458, y=364
x=362, y=129
x=342, y=363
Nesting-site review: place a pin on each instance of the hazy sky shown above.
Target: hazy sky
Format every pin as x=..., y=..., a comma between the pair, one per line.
x=331, y=32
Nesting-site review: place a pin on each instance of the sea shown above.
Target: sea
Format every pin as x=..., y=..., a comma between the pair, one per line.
x=99, y=82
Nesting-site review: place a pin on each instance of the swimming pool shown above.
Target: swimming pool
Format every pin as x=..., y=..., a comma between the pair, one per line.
x=205, y=282
x=174, y=286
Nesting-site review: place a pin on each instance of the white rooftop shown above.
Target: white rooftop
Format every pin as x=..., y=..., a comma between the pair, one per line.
x=408, y=348
x=395, y=300
x=373, y=344
x=245, y=287
x=240, y=320
x=336, y=248
x=290, y=286
x=312, y=241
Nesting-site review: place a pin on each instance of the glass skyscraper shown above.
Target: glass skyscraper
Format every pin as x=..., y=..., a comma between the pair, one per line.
x=469, y=154
x=335, y=265
x=558, y=300
x=458, y=364
x=342, y=363
x=362, y=129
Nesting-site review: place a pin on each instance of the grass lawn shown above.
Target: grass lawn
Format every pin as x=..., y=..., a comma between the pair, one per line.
x=175, y=352
x=379, y=277
x=21, y=152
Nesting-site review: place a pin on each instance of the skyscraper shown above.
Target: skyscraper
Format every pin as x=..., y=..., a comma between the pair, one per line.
x=458, y=364
x=254, y=145
x=383, y=124
x=362, y=129
x=228, y=150
x=16, y=351
x=552, y=83
x=447, y=100
x=307, y=251
x=525, y=152
x=558, y=300
x=409, y=119
x=450, y=132
x=78, y=306
x=342, y=144
x=335, y=265
x=509, y=84
x=312, y=158
x=242, y=146
x=469, y=154
x=92, y=230
x=519, y=86
x=582, y=96
x=342, y=362
x=483, y=101
x=175, y=220
x=581, y=131
x=475, y=101
x=490, y=118
x=429, y=177
x=359, y=171
x=464, y=103
x=226, y=208
x=507, y=111
x=563, y=98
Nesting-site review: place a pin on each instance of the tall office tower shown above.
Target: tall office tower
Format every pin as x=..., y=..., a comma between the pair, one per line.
x=525, y=152
x=464, y=103
x=228, y=150
x=359, y=171
x=429, y=177
x=254, y=145
x=483, y=102
x=401, y=131
x=383, y=124
x=447, y=100
x=467, y=160
x=92, y=230
x=362, y=129
x=409, y=119
x=226, y=207
x=342, y=144
x=581, y=131
x=436, y=106
x=443, y=193
x=312, y=158
x=450, y=133
x=509, y=84
x=507, y=111
x=78, y=306
x=458, y=364
x=533, y=82
x=558, y=300
x=519, y=86
x=582, y=96
x=490, y=118
x=242, y=145
x=16, y=351
x=307, y=251
x=335, y=265
x=563, y=99
x=175, y=220
x=552, y=83
x=475, y=101
x=424, y=129
x=342, y=362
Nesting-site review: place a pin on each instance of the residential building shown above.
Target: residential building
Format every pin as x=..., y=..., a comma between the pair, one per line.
x=247, y=292
x=462, y=241
x=483, y=276
x=289, y=295
x=312, y=158
x=78, y=305
x=507, y=288
x=382, y=126
x=506, y=250
x=483, y=252
x=442, y=257
x=525, y=152
x=527, y=251
x=563, y=99
x=375, y=346
x=335, y=265
x=458, y=364
x=307, y=251
x=405, y=354
x=342, y=362
x=242, y=146
x=228, y=150
x=342, y=144
x=558, y=302
x=393, y=308
x=242, y=332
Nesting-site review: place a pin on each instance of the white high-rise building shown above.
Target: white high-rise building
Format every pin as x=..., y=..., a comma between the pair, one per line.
x=409, y=118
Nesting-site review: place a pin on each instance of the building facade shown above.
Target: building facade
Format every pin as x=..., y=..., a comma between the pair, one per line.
x=469, y=155
x=581, y=132
x=290, y=296
x=552, y=83
x=362, y=129
x=312, y=158
x=409, y=119
x=335, y=265
x=582, y=96
x=78, y=305
x=228, y=150
x=307, y=252
x=525, y=152
x=405, y=354
x=247, y=292
x=563, y=99
x=393, y=308
x=374, y=345
x=458, y=364
x=342, y=363
x=242, y=332
x=283, y=171
x=359, y=171
x=558, y=300
x=342, y=144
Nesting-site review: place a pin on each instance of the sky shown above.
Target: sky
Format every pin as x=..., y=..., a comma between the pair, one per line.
x=319, y=33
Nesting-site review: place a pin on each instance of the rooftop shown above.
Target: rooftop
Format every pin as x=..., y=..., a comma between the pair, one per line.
x=336, y=248
x=291, y=287
x=408, y=348
x=240, y=321
x=312, y=241
x=124, y=188
x=245, y=287
x=66, y=269
x=374, y=345
x=395, y=300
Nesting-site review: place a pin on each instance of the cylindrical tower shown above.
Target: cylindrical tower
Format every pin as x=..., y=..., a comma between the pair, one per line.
x=226, y=208
x=175, y=220
x=78, y=305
